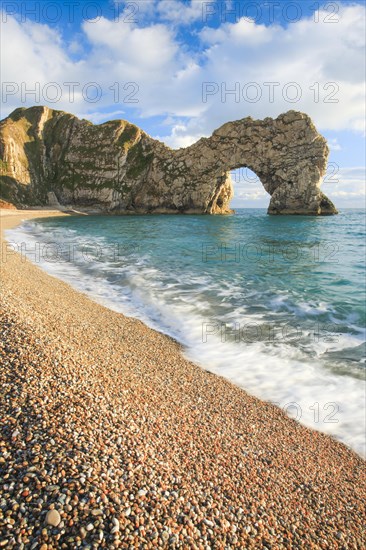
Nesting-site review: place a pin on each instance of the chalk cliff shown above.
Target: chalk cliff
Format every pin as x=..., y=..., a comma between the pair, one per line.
x=117, y=167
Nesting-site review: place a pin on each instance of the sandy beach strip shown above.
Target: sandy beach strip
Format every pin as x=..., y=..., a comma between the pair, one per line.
x=110, y=438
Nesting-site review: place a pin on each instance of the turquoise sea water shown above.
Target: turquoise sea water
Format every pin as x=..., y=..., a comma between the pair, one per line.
x=275, y=304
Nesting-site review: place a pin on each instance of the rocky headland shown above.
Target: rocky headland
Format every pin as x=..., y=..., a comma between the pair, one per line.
x=50, y=157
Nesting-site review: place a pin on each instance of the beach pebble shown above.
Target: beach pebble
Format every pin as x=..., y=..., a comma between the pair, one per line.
x=116, y=527
x=53, y=518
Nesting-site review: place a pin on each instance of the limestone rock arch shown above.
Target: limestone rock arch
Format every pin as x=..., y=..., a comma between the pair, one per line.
x=287, y=154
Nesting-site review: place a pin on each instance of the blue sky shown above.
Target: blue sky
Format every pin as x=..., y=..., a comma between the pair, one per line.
x=181, y=69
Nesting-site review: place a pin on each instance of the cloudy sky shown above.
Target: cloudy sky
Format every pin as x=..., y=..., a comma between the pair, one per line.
x=179, y=69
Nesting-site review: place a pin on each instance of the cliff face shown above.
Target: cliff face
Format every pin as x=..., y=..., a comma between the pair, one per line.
x=117, y=167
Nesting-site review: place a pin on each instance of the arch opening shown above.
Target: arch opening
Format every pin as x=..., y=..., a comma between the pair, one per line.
x=249, y=190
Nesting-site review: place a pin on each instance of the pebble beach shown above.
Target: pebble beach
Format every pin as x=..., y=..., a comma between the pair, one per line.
x=110, y=438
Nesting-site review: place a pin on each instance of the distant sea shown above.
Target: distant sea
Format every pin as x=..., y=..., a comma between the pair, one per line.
x=274, y=304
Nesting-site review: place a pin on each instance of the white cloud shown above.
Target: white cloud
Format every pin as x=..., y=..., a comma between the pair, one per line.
x=181, y=13
x=241, y=34
x=180, y=135
x=75, y=47
x=149, y=49
x=254, y=196
x=118, y=53
x=334, y=145
x=135, y=11
x=347, y=187
x=33, y=53
x=99, y=118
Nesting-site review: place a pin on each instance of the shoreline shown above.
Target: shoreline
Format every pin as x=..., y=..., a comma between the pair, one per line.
x=243, y=474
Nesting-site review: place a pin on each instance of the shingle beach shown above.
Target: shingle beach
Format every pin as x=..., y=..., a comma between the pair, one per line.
x=110, y=438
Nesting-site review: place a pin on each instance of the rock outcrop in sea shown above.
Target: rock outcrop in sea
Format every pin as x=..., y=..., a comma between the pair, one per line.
x=118, y=168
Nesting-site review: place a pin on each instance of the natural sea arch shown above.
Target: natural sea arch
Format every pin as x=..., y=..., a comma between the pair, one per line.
x=287, y=154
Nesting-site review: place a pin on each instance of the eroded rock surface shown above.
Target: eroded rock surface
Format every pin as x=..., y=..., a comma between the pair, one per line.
x=119, y=168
